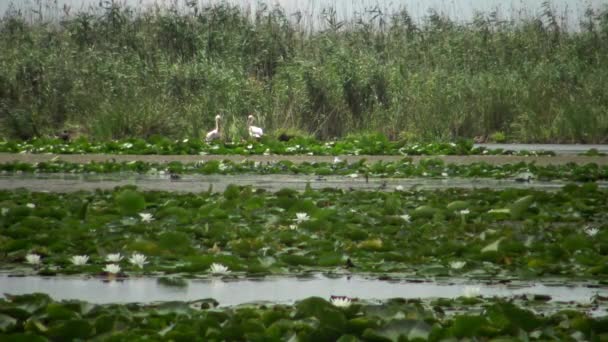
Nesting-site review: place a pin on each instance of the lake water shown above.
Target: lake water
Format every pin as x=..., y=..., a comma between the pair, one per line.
x=283, y=289
x=568, y=12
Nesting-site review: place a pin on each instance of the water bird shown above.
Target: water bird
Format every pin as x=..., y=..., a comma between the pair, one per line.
x=174, y=176
x=349, y=263
x=214, y=134
x=65, y=136
x=254, y=131
x=285, y=137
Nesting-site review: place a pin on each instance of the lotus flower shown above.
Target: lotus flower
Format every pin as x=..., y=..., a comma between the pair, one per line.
x=79, y=260
x=301, y=217
x=146, y=217
x=33, y=259
x=457, y=264
x=471, y=291
x=341, y=302
x=138, y=260
x=116, y=257
x=218, y=269
x=406, y=217
x=112, y=269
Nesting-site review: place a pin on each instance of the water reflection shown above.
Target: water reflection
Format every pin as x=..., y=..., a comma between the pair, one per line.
x=280, y=289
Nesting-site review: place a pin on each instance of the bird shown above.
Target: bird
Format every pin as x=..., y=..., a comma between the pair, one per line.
x=214, y=134
x=254, y=131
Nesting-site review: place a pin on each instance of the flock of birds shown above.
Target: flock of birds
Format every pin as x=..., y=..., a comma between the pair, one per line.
x=254, y=131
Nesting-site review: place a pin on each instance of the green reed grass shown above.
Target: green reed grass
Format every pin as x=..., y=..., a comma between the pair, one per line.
x=119, y=72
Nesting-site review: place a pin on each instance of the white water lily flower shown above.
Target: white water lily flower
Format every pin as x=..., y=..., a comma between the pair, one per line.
x=399, y=188
x=353, y=175
x=127, y=145
x=218, y=269
x=591, y=231
x=341, y=302
x=112, y=269
x=337, y=160
x=138, y=260
x=471, y=291
x=146, y=217
x=406, y=217
x=116, y=257
x=79, y=260
x=444, y=174
x=33, y=259
x=464, y=212
x=249, y=147
x=223, y=166
x=424, y=174
x=31, y=205
x=185, y=141
x=301, y=217
x=293, y=226
x=267, y=152
x=457, y=264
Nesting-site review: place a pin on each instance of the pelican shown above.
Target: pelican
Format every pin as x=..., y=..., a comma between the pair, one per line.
x=214, y=134
x=254, y=131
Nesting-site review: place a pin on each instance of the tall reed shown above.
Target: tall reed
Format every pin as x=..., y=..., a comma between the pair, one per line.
x=119, y=72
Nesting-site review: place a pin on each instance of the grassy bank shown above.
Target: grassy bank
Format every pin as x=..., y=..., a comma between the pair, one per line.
x=121, y=73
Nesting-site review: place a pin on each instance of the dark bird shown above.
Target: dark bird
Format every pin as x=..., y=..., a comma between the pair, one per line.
x=349, y=263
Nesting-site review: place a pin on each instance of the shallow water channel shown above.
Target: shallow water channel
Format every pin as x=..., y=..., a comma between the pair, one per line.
x=232, y=291
x=198, y=183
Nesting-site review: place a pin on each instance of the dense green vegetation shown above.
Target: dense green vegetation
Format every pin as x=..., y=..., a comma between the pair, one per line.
x=364, y=144
x=504, y=233
x=37, y=317
x=432, y=168
x=124, y=73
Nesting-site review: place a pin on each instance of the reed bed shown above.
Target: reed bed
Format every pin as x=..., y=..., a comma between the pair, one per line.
x=121, y=72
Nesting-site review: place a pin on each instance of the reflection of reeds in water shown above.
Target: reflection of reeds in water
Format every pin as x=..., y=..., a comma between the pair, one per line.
x=117, y=71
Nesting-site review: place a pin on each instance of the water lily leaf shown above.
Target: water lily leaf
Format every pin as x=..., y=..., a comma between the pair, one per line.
x=31, y=303
x=493, y=247
x=58, y=311
x=519, y=207
x=7, y=322
x=401, y=328
x=423, y=211
x=130, y=202
x=71, y=330
x=458, y=205
x=23, y=337
x=510, y=319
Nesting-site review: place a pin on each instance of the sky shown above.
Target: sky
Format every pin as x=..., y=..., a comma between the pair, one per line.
x=460, y=10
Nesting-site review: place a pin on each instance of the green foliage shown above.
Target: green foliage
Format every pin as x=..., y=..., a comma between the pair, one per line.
x=121, y=73
x=130, y=202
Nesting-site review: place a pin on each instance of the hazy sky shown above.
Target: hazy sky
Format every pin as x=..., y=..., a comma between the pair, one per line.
x=455, y=9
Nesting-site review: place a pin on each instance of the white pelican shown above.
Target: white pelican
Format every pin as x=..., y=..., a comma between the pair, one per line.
x=214, y=134
x=254, y=131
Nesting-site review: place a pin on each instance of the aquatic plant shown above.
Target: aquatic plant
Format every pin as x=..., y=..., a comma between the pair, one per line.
x=112, y=268
x=218, y=269
x=79, y=260
x=138, y=260
x=33, y=259
x=115, y=257
x=340, y=301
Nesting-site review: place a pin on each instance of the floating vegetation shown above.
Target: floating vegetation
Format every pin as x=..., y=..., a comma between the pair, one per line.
x=37, y=317
x=371, y=144
x=405, y=168
x=242, y=231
